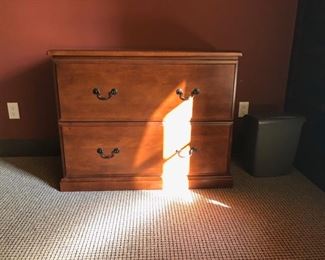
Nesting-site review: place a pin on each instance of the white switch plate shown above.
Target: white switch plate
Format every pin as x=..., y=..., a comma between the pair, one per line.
x=13, y=110
x=243, y=108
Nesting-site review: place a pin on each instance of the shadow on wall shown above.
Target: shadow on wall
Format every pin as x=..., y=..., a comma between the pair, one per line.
x=158, y=34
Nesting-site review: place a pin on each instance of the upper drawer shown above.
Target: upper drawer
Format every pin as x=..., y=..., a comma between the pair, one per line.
x=144, y=91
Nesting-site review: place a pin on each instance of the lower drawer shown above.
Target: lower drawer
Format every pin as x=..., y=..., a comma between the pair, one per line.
x=93, y=150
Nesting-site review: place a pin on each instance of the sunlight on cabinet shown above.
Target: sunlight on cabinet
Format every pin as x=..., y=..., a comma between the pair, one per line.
x=176, y=150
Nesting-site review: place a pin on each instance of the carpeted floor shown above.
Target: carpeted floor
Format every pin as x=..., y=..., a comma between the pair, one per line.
x=260, y=218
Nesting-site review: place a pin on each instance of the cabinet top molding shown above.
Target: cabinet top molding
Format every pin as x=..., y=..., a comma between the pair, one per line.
x=145, y=54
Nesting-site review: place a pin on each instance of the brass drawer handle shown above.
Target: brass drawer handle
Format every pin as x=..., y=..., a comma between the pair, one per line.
x=190, y=153
x=101, y=152
x=113, y=92
x=180, y=93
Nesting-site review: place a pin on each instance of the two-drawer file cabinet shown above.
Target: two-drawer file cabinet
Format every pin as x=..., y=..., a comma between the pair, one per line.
x=145, y=119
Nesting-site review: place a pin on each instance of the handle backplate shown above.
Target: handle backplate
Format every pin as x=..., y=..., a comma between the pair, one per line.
x=113, y=92
x=181, y=95
x=101, y=152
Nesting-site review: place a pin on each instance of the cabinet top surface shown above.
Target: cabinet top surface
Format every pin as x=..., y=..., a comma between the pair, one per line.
x=145, y=54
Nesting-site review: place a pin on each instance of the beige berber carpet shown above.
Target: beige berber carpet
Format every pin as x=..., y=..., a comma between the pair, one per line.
x=260, y=218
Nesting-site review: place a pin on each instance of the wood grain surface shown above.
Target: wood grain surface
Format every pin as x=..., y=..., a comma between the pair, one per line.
x=146, y=149
x=146, y=91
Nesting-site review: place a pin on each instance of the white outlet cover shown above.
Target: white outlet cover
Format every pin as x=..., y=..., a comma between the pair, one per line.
x=243, y=108
x=13, y=110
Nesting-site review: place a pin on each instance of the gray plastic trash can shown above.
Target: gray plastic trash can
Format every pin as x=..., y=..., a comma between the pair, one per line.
x=270, y=143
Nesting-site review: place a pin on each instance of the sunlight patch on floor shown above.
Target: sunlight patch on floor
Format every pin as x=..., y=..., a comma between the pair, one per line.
x=218, y=203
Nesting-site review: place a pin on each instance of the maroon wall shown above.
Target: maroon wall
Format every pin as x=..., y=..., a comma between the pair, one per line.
x=262, y=30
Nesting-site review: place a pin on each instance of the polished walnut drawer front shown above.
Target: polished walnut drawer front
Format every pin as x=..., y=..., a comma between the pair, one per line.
x=143, y=91
x=145, y=149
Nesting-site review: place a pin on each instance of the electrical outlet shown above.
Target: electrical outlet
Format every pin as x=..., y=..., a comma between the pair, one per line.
x=13, y=110
x=243, y=108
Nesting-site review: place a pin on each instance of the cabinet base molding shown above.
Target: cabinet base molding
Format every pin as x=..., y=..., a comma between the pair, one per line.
x=140, y=183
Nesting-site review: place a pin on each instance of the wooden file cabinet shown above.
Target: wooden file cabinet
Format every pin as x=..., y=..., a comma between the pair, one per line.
x=130, y=120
